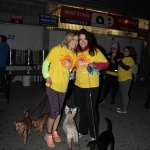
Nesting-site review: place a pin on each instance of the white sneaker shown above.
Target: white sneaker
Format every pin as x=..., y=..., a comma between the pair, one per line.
x=119, y=108
x=93, y=139
x=80, y=135
x=102, y=101
x=122, y=111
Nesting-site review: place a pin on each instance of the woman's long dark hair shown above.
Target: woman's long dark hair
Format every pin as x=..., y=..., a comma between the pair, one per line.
x=91, y=45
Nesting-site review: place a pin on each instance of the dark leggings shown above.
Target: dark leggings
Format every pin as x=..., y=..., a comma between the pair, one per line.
x=110, y=82
x=88, y=110
x=56, y=100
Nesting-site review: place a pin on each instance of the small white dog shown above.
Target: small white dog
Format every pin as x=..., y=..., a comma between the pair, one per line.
x=69, y=126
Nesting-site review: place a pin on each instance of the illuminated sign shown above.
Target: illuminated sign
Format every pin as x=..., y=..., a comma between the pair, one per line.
x=122, y=23
x=75, y=16
x=18, y=19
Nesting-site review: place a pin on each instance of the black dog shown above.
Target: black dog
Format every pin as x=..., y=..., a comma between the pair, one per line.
x=104, y=139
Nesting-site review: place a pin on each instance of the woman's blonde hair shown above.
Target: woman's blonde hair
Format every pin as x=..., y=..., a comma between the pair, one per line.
x=68, y=38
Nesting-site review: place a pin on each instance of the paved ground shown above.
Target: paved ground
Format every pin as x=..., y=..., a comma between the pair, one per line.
x=131, y=130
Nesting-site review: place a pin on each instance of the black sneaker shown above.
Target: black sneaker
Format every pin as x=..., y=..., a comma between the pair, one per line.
x=2, y=92
x=146, y=105
x=112, y=101
x=102, y=101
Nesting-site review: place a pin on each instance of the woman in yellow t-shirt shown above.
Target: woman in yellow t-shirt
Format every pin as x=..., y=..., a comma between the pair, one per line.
x=56, y=70
x=111, y=79
x=125, y=76
x=86, y=84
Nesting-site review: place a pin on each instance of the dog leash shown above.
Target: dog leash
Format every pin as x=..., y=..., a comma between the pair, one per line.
x=43, y=98
x=40, y=101
x=90, y=71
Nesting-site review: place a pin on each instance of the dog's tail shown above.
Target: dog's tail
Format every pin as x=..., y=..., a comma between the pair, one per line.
x=109, y=124
x=26, y=112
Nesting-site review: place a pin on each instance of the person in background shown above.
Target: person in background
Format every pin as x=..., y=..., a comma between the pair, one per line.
x=86, y=84
x=56, y=70
x=111, y=79
x=4, y=49
x=125, y=76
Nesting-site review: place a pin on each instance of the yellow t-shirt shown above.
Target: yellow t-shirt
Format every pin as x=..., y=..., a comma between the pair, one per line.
x=83, y=78
x=112, y=73
x=61, y=62
x=124, y=75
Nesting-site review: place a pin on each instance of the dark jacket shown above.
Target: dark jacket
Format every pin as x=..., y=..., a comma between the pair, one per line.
x=4, y=49
x=112, y=67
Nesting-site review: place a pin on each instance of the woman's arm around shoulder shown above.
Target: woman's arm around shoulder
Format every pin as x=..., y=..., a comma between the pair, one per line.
x=101, y=63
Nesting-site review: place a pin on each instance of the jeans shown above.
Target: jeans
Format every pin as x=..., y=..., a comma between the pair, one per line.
x=125, y=87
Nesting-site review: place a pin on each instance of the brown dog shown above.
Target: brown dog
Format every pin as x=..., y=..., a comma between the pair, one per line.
x=23, y=127
x=39, y=123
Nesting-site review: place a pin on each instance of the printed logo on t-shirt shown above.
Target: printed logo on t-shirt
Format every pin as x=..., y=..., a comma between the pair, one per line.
x=67, y=62
x=82, y=61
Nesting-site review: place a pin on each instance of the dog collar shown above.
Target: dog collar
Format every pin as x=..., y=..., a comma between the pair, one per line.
x=23, y=131
x=25, y=122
